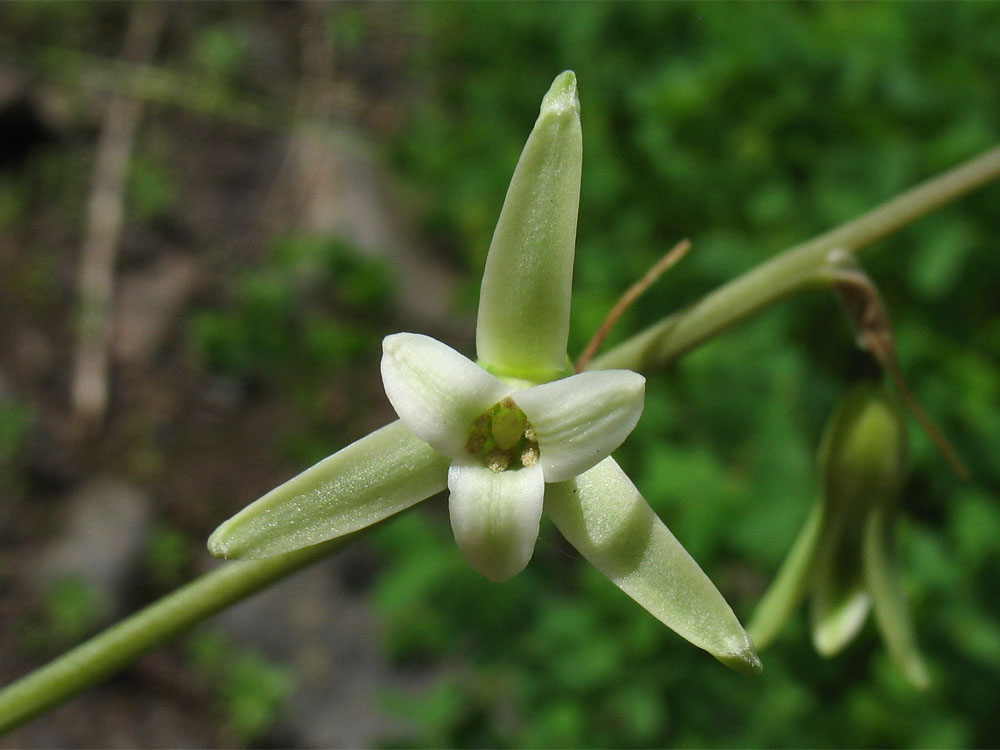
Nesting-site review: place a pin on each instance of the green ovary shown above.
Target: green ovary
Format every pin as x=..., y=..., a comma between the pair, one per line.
x=503, y=438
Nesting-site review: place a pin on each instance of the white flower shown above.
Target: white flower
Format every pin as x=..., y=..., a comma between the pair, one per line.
x=515, y=436
x=504, y=442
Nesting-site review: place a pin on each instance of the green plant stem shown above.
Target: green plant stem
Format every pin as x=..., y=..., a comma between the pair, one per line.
x=801, y=267
x=123, y=643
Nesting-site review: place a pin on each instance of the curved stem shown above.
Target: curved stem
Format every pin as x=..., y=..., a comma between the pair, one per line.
x=798, y=268
x=121, y=644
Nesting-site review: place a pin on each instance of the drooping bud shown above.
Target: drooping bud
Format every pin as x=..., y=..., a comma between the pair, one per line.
x=843, y=556
x=863, y=452
x=861, y=458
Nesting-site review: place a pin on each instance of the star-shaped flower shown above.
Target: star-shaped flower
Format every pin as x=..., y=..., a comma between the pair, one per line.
x=513, y=435
x=504, y=442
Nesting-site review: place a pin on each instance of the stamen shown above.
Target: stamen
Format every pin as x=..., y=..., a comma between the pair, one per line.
x=503, y=438
x=529, y=455
x=497, y=460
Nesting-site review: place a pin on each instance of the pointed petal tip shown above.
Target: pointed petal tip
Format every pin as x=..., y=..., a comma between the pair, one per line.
x=392, y=343
x=562, y=95
x=635, y=383
x=745, y=660
x=222, y=546
x=217, y=546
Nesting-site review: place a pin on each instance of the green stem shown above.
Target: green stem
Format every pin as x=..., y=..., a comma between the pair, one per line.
x=121, y=644
x=801, y=267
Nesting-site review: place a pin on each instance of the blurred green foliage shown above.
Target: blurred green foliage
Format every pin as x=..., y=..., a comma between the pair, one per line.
x=294, y=326
x=250, y=691
x=16, y=423
x=746, y=128
x=71, y=609
x=302, y=315
x=220, y=51
x=169, y=555
x=150, y=191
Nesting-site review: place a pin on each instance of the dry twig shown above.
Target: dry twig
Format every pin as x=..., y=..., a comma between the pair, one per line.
x=677, y=252
x=867, y=311
x=105, y=213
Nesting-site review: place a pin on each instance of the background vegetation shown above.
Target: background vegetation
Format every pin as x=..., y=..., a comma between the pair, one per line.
x=743, y=127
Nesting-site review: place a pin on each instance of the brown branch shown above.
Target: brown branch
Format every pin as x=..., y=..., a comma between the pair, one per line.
x=677, y=252
x=105, y=214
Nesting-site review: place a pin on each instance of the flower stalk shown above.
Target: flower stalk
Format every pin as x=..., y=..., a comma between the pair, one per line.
x=127, y=641
x=809, y=265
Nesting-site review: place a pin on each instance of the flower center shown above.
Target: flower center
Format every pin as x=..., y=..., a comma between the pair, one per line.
x=503, y=438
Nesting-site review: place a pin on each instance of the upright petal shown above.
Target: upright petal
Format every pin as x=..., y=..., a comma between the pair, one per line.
x=437, y=392
x=524, y=304
x=603, y=515
x=371, y=479
x=495, y=516
x=579, y=420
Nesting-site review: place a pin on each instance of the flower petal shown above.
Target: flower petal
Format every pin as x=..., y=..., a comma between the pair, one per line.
x=837, y=616
x=371, y=479
x=524, y=304
x=579, y=420
x=436, y=391
x=602, y=514
x=495, y=516
x=840, y=603
x=790, y=585
x=888, y=601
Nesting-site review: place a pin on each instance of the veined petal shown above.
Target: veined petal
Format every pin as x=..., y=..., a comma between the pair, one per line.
x=524, y=304
x=603, y=515
x=495, y=516
x=579, y=420
x=435, y=390
x=371, y=479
